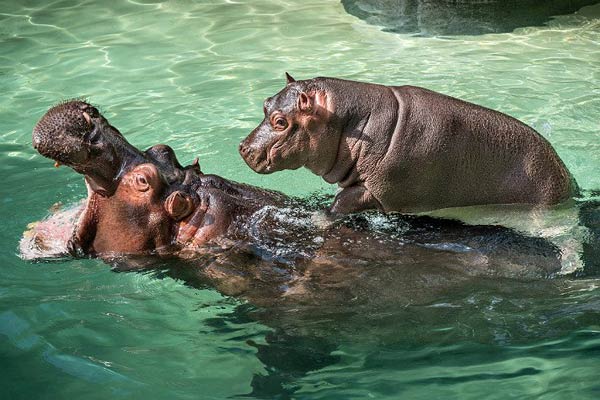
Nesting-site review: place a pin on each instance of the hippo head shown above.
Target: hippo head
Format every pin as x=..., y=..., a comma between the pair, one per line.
x=147, y=214
x=299, y=123
x=139, y=201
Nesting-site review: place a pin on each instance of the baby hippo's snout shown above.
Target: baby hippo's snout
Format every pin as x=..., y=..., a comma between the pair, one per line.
x=253, y=154
x=245, y=150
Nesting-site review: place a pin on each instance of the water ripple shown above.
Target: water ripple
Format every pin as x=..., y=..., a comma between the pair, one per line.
x=194, y=75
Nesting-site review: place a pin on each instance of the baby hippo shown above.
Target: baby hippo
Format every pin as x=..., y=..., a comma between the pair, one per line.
x=404, y=148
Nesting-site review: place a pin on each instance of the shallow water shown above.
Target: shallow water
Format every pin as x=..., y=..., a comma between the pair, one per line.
x=194, y=75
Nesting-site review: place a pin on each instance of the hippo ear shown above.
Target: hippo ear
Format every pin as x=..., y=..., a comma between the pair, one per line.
x=305, y=102
x=289, y=78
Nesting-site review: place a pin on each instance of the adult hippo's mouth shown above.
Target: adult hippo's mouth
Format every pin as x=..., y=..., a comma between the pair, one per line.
x=139, y=201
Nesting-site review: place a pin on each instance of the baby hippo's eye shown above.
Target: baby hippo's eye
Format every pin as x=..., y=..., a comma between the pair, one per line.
x=280, y=123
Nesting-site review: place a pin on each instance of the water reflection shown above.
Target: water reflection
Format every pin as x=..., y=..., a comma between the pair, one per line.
x=465, y=17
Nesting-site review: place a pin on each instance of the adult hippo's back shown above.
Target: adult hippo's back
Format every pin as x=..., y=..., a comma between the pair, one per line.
x=404, y=148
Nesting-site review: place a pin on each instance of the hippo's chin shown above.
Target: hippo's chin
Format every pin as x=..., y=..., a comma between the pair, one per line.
x=262, y=166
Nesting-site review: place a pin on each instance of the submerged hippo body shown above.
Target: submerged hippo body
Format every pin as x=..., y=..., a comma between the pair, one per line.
x=404, y=148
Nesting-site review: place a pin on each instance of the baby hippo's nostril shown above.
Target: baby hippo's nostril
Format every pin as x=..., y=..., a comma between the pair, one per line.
x=245, y=150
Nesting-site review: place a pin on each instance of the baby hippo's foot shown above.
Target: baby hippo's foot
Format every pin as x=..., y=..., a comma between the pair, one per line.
x=325, y=219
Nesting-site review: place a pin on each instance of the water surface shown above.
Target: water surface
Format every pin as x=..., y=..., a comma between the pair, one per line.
x=194, y=75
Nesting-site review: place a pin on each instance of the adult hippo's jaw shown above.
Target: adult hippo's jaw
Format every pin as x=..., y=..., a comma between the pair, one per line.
x=75, y=134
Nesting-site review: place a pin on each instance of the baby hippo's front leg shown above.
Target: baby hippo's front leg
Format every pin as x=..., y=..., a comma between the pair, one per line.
x=354, y=199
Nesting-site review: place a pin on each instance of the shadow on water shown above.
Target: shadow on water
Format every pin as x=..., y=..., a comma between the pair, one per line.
x=463, y=17
x=411, y=297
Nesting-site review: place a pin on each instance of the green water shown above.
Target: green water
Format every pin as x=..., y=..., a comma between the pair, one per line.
x=194, y=75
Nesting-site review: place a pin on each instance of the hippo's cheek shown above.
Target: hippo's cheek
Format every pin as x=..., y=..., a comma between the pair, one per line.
x=286, y=154
x=274, y=157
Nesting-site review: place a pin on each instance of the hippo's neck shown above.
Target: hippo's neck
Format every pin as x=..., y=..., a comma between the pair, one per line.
x=343, y=169
x=355, y=106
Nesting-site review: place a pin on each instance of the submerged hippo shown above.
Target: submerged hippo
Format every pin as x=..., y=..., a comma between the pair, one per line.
x=404, y=148
x=243, y=239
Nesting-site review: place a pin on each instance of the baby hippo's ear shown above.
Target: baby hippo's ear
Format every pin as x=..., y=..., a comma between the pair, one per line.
x=305, y=102
x=289, y=79
x=179, y=205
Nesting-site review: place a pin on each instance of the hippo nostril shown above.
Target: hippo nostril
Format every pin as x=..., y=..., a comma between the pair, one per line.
x=245, y=150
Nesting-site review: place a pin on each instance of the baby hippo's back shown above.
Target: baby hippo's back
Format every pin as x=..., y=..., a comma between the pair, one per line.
x=445, y=152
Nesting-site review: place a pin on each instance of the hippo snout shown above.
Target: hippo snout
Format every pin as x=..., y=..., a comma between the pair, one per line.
x=75, y=134
x=60, y=133
x=245, y=150
x=252, y=157
x=36, y=141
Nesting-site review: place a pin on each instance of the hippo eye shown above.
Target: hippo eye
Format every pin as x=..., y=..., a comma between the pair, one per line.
x=280, y=123
x=141, y=183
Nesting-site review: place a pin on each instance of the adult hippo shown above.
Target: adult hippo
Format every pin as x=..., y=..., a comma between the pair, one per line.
x=243, y=239
x=404, y=148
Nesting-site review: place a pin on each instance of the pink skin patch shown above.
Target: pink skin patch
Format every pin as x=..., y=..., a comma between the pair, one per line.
x=49, y=238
